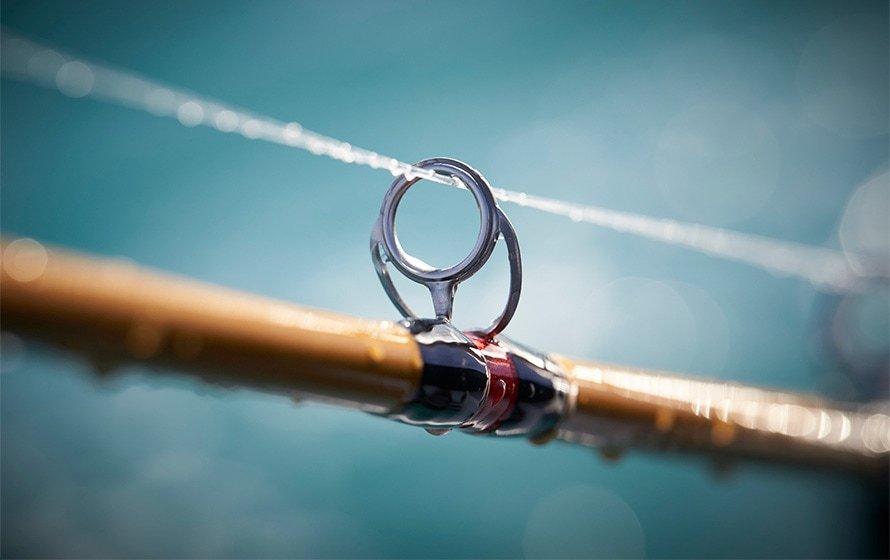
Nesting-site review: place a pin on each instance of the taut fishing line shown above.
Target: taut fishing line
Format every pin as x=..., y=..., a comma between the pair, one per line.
x=35, y=63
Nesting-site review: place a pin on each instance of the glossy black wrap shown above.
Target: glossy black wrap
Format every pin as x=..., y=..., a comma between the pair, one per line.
x=454, y=378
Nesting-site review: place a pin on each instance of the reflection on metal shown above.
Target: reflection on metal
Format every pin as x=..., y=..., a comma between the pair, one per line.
x=443, y=282
x=435, y=377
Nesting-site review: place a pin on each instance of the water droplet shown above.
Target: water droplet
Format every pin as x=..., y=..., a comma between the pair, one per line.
x=437, y=431
x=190, y=113
x=376, y=353
x=664, y=419
x=226, y=121
x=722, y=433
x=544, y=438
x=611, y=453
x=251, y=129
x=144, y=340
x=75, y=79
x=292, y=133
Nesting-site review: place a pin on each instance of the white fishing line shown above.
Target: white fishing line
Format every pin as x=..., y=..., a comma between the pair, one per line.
x=32, y=62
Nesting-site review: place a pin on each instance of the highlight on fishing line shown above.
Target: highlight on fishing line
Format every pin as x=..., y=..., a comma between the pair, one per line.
x=75, y=77
x=240, y=405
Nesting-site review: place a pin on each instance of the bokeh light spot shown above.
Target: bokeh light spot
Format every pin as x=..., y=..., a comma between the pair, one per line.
x=583, y=522
x=75, y=79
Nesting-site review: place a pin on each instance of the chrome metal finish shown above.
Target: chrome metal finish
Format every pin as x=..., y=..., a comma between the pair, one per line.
x=544, y=392
x=442, y=282
x=454, y=379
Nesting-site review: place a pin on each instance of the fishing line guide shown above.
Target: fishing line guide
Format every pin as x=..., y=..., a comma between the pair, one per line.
x=443, y=282
x=471, y=381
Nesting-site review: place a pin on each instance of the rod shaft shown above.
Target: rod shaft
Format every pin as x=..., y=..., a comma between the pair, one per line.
x=117, y=312
x=617, y=408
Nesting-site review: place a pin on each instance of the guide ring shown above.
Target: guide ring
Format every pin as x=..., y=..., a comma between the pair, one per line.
x=442, y=282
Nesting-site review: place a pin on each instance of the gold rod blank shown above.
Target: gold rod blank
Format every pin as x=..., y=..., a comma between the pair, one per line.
x=116, y=311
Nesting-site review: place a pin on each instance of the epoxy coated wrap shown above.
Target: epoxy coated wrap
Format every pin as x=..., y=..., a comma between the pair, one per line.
x=503, y=387
x=483, y=386
x=453, y=382
x=543, y=393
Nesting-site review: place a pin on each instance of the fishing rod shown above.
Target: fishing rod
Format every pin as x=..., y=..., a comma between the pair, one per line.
x=420, y=371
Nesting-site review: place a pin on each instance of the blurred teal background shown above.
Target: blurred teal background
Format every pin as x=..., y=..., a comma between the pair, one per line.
x=766, y=117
